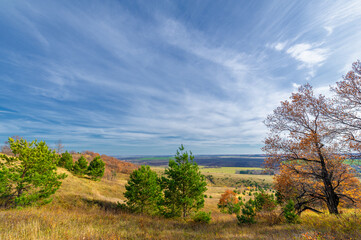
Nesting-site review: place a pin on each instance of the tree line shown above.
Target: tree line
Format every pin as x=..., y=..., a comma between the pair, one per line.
x=28, y=175
x=95, y=169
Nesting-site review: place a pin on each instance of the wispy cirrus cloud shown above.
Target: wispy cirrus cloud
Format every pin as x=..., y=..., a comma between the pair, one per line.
x=308, y=55
x=122, y=79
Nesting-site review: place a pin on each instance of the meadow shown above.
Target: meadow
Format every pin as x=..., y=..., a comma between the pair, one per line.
x=85, y=209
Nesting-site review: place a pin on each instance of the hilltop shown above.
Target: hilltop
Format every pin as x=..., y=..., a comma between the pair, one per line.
x=86, y=209
x=113, y=165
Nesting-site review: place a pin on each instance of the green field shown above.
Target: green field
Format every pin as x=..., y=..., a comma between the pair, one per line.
x=232, y=170
x=240, y=161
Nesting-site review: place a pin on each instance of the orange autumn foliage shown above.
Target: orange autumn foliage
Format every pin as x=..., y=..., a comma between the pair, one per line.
x=347, y=106
x=228, y=197
x=112, y=164
x=304, y=146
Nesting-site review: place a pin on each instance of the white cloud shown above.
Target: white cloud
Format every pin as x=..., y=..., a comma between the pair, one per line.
x=329, y=30
x=307, y=54
x=295, y=85
x=280, y=46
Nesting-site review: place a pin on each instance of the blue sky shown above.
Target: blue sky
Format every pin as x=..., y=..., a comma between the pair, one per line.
x=142, y=77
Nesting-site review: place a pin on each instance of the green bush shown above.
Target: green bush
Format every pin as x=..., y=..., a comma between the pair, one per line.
x=279, y=198
x=30, y=177
x=66, y=161
x=290, y=213
x=184, y=185
x=96, y=168
x=264, y=202
x=143, y=191
x=80, y=166
x=248, y=213
x=202, y=217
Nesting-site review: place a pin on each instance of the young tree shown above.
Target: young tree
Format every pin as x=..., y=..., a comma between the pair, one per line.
x=29, y=176
x=184, y=185
x=80, y=166
x=143, y=191
x=66, y=161
x=304, y=144
x=96, y=168
x=290, y=213
x=229, y=202
x=248, y=213
x=264, y=202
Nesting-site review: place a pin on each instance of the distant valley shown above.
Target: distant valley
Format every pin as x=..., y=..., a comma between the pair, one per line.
x=249, y=160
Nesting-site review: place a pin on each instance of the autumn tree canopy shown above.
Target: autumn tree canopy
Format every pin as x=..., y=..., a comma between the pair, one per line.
x=303, y=146
x=229, y=202
x=347, y=107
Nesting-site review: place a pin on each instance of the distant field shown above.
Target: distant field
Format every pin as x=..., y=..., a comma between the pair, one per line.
x=239, y=161
x=232, y=170
x=153, y=158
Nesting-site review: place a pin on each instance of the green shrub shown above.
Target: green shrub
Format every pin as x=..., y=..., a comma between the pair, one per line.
x=279, y=198
x=30, y=177
x=184, y=185
x=143, y=191
x=248, y=213
x=202, y=217
x=290, y=212
x=264, y=202
x=66, y=161
x=80, y=166
x=96, y=168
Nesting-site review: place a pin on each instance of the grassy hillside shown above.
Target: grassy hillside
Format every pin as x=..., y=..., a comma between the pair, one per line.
x=85, y=209
x=112, y=165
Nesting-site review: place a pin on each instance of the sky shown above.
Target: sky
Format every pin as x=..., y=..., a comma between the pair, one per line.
x=142, y=77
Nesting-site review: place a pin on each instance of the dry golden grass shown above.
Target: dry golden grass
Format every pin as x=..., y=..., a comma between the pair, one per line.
x=84, y=209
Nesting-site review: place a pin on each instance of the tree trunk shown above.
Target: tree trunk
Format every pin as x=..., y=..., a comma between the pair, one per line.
x=332, y=200
x=332, y=203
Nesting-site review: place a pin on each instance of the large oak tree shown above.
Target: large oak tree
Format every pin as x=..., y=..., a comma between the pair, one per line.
x=304, y=147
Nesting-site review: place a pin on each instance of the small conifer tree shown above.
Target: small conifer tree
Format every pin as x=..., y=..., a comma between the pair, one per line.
x=80, y=166
x=290, y=213
x=96, y=168
x=66, y=161
x=248, y=213
x=29, y=176
x=184, y=185
x=143, y=191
